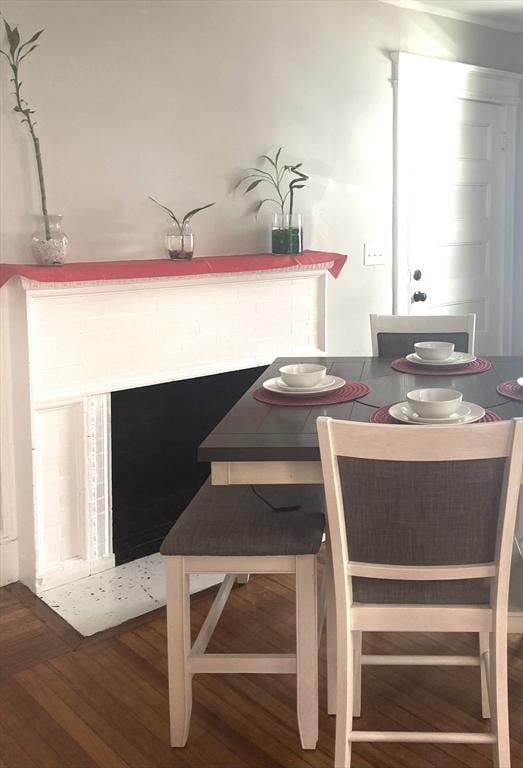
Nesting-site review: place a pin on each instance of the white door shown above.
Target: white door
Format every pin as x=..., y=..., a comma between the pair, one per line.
x=451, y=200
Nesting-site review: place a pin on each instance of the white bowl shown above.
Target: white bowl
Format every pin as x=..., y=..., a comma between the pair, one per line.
x=303, y=374
x=434, y=350
x=434, y=403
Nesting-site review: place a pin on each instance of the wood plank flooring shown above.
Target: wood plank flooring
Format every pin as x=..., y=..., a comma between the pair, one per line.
x=101, y=702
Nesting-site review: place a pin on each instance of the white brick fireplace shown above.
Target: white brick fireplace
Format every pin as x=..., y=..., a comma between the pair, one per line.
x=66, y=347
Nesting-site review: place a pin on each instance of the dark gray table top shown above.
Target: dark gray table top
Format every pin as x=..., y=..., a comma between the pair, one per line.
x=253, y=431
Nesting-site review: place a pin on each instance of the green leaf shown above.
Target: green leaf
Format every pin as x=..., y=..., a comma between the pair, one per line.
x=265, y=200
x=278, y=153
x=14, y=40
x=253, y=185
x=8, y=31
x=298, y=186
x=188, y=216
x=238, y=184
x=168, y=210
x=271, y=161
x=26, y=53
x=249, y=176
x=32, y=40
x=259, y=171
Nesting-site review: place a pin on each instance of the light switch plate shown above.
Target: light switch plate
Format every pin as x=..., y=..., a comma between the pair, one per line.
x=373, y=255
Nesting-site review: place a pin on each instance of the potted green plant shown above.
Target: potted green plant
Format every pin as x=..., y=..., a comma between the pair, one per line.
x=283, y=180
x=49, y=242
x=179, y=238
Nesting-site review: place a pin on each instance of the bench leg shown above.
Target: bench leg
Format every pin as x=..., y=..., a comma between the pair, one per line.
x=178, y=650
x=484, y=641
x=357, y=641
x=307, y=650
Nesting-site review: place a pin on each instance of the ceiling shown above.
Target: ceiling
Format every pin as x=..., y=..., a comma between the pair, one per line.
x=500, y=14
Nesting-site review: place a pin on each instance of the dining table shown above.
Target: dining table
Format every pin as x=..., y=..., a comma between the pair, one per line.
x=260, y=443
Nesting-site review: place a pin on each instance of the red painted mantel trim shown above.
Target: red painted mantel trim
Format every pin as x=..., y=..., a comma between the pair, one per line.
x=84, y=271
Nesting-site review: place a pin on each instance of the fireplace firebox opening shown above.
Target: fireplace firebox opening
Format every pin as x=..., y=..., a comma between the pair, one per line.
x=155, y=433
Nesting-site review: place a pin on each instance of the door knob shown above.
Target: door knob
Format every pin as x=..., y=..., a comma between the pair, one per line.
x=417, y=274
x=419, y=296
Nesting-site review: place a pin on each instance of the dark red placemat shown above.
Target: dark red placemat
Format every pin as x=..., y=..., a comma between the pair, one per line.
x=511, y=389
x=479, y=365
x=382, y=416
x=351, y=390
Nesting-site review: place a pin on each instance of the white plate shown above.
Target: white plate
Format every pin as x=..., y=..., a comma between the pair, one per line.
x=326, y=382
x=520, y=381
x=331, y=384
x=465, y=414
x=456, y=358
x=459, y=415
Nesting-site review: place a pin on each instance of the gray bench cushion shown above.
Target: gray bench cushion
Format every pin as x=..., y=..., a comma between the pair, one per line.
x=232, y=520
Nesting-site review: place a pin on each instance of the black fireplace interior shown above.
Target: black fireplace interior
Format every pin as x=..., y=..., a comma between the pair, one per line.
x=155, y=433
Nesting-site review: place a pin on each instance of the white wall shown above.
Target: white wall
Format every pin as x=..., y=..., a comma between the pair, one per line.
x=518, y=255
x=172, y=98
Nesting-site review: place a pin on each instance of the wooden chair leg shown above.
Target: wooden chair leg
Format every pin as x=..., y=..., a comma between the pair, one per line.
x=499, y=695
x=307, y=650
x=331, y=642
x=344, y=691
x=178, y=650
x=322, y=605
x=484, y=642
x=357, y=642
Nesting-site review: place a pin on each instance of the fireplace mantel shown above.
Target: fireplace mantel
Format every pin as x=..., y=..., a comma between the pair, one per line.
x=154, y=269
x=69, y=336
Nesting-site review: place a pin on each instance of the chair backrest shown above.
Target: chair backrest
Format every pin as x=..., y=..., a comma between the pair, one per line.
x=395, y=335
x=423, y=502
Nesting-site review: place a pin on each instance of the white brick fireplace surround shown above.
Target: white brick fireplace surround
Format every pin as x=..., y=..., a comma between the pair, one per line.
x=66, y=346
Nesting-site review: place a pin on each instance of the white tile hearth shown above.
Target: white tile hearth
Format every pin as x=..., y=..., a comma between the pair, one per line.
x=109, y=598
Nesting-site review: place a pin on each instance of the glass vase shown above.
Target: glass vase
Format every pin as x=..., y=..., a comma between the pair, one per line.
x=49, y=248
x=180, y=244
x=287, y=233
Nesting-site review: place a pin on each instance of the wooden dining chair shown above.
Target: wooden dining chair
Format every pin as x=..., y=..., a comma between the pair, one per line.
x=231, y=530
x=395, y=335
x=420, y=526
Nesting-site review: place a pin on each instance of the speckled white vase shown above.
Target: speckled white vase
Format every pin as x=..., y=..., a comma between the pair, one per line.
x=50, y=252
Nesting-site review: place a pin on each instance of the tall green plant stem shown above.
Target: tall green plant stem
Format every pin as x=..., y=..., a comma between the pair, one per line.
x=275, y=178
x=36, y=144
x=297, y=183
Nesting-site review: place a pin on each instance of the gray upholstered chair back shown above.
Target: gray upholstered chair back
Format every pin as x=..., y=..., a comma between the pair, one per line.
x=421, y=513
x=396, y=344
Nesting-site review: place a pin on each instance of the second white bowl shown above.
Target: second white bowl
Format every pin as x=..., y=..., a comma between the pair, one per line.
x=434, y=350
x=434, y=403
x=303, y=374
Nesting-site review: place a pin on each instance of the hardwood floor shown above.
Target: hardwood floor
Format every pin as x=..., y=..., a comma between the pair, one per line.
x=101, y=702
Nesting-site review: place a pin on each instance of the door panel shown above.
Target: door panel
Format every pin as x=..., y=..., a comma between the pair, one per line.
x=473, y=141
x=452, y=170
x=464, y=261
